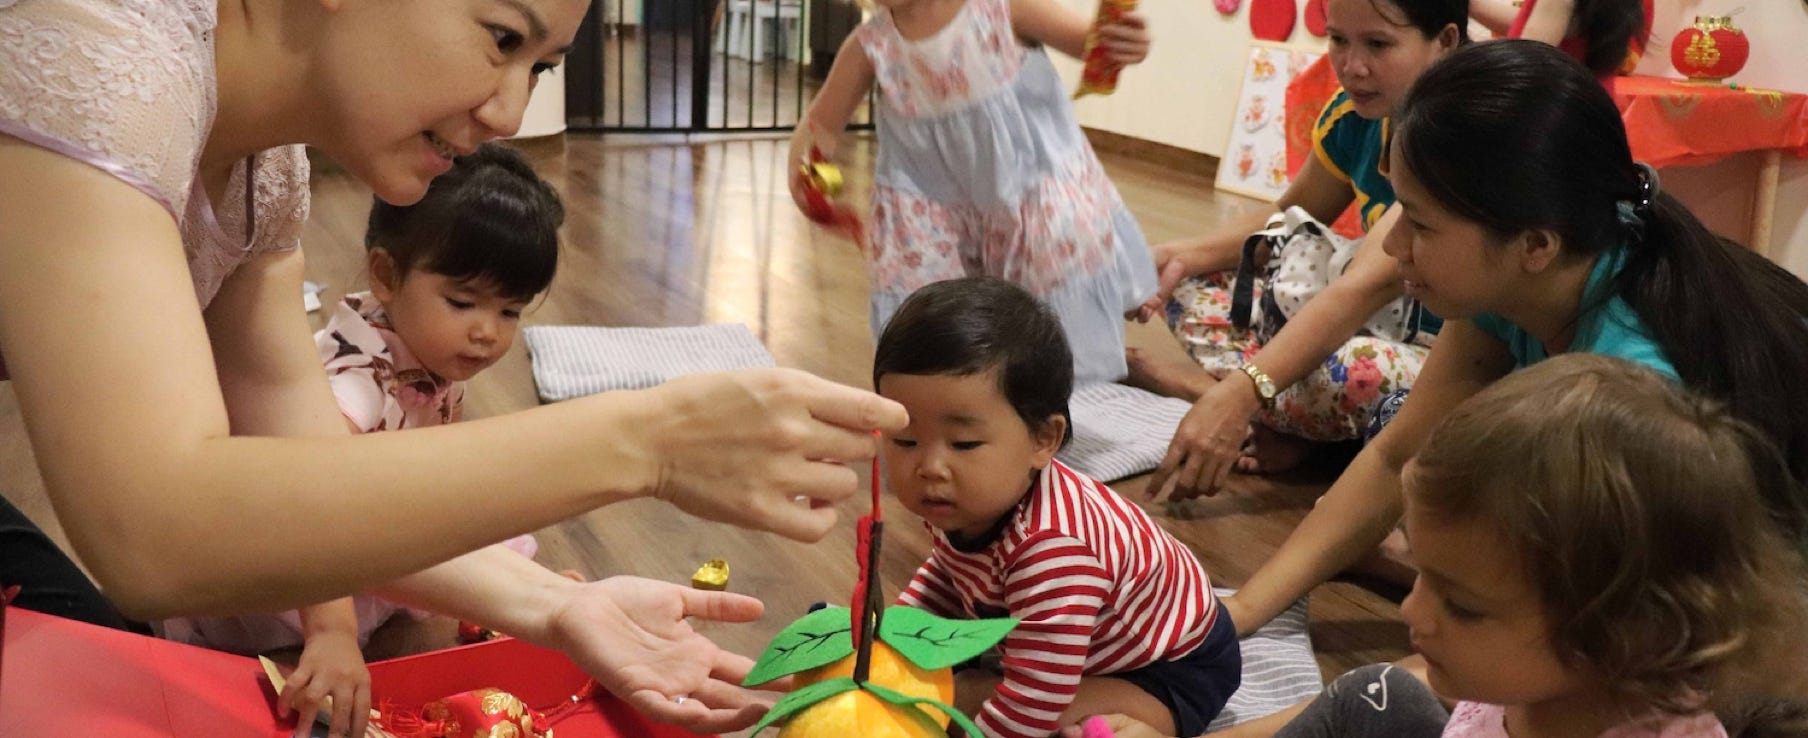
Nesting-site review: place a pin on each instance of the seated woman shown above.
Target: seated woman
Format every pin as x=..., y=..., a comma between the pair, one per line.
x=1526, y=223
x=1316, y=380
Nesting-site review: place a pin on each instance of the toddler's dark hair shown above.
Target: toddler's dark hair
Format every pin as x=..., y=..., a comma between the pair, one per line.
x=490, y=220
x=962, y=327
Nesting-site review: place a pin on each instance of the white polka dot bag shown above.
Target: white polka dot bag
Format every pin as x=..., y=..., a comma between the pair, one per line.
x=1303, y=256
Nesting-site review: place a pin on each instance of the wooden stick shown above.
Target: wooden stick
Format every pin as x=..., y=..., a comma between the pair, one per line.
x=1764, y=202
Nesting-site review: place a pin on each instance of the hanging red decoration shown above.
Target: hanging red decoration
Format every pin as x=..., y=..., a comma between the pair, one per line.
x=1315, y=17
x=1272, y=20
x=821, y=181
x=1711, y=50
x=1227, y=7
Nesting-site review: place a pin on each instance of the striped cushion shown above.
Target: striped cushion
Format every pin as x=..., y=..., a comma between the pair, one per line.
x=573, y=361
x=1279, y=669
x=1119, y=430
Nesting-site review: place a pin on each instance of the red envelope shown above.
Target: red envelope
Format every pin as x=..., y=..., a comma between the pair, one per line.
x=66, y=678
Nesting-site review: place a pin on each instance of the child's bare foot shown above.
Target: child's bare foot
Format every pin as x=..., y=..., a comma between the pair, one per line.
x=1272, y=452
x=1166, y=377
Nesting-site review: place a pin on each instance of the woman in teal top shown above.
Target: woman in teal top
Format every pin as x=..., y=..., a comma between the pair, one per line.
x=1353, y=149
x=1527, y=225
x=1607, y=325
x=1317, y=379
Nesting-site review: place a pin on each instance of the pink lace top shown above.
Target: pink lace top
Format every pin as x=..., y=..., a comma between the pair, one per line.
x=128, y=86
x=1481, y=720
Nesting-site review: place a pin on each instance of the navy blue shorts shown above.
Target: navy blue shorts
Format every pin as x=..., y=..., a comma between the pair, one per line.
x=1195, y=686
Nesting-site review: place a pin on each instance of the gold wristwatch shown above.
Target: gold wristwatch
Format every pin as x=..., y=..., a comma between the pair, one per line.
x=1264, y=386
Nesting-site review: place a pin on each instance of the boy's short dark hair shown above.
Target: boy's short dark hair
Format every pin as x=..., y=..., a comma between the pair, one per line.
x=490, y=219
x=961, y=327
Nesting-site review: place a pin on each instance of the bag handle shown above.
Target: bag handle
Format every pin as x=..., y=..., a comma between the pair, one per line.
x=1242, y=291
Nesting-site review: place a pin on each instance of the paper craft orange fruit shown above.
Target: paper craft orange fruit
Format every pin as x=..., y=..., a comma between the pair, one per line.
x=909, y=679
x=860, y=713
x=890, y=669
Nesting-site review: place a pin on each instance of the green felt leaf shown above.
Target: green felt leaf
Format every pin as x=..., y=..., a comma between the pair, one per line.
x=798, y=699
x=904, y=700
x=933, y=642
x=821, y=637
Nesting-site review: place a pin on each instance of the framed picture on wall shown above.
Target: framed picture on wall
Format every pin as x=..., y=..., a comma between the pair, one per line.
x=1255, y=159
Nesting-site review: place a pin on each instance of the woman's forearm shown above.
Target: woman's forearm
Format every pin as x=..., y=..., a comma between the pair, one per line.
x=1353, y=517
x=1325, y=323
x=493, y=586
x=305, y=520
x=1221, y=249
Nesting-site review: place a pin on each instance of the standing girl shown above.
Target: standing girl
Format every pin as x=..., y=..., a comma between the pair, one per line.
x=983, y=169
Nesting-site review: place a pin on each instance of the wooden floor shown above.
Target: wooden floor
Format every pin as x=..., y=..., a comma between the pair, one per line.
x=664, y=233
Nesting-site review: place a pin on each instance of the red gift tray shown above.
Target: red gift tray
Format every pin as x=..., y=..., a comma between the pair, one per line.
x=66, y=678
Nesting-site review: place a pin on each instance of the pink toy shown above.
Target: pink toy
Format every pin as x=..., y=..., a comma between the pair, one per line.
x=1096, y=727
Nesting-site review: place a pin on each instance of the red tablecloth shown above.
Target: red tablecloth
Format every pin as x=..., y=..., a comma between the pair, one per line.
x=1668, y=122
x=1672, y=123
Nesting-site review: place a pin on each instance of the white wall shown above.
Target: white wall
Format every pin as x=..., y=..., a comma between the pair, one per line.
x=1184, y=95
x=545, y=114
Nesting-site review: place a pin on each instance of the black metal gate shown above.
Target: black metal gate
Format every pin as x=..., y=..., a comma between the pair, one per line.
x=694, y=66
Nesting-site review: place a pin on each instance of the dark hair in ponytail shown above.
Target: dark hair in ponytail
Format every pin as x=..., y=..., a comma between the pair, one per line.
x=1612, y=28
x=1515, y=136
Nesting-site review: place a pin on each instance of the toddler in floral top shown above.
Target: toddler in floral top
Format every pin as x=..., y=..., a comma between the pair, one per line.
x=982, y=167
x=449, y=276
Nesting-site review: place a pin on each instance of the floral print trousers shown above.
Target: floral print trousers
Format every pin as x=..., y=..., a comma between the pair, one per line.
x=1333, y=403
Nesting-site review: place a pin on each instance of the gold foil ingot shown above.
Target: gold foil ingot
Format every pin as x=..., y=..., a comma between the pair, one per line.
x=824, y=177
x=712, y=575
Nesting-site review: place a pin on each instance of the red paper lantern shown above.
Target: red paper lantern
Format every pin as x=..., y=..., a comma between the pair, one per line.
x=1711, y=50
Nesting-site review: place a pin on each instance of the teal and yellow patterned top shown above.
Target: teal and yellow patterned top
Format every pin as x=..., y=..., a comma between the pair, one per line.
x=1354, y=148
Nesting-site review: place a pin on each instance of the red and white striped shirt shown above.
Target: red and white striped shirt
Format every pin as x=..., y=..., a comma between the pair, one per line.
x=1099, y=587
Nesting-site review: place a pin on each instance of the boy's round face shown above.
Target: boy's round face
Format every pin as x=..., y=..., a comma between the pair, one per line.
x=966, y=458
x=454, y=328
x=405, y=83
x=1479, y=623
